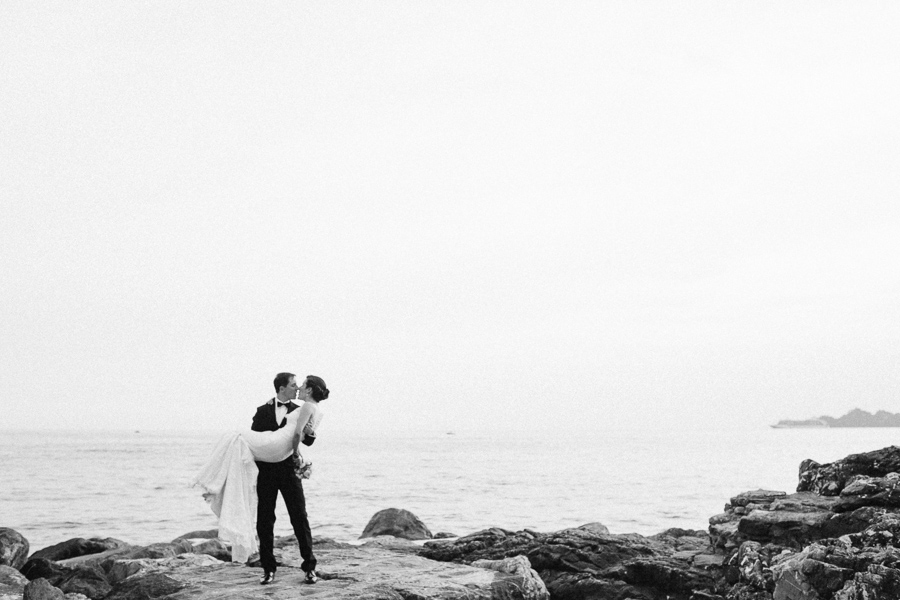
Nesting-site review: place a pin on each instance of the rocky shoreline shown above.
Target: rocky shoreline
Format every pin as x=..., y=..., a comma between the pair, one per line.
x=836, y=538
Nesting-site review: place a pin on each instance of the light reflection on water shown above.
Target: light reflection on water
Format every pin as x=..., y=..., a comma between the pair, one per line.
x=135, y=487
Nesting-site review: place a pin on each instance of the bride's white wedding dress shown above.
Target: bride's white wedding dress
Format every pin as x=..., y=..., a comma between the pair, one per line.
x=229, y=476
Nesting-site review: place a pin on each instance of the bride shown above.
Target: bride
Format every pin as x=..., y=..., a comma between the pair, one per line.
x=229, y=476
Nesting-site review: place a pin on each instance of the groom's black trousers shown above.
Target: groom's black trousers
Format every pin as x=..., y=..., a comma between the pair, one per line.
x=274, y=478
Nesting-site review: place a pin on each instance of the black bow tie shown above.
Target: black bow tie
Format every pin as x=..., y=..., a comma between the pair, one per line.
x=282, y=403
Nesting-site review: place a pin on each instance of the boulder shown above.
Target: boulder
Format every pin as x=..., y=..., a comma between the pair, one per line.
x=158, y=550
x=350, y=573
x=98, y=559
x=583, y=562
x=597, y=527
x=121, y=570
x=801, y=577
x=443, y=535
x=12, y=583
x=13, y=548
x=10, y=576
x=393, y=543
x=146, y=587
x=79, y=578
x=829, y=568
x=85, y=579
x=41, y=568
x=40, y=589
x=791, y=520
x=863, y=490
x=524, y=580
x=212, y=547
x=880, y=581
x=199, y=534
x=831, y=478
x=78, y=547
x=398, y=523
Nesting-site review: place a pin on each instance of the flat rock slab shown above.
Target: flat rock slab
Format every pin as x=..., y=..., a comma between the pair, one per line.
x=367, y=573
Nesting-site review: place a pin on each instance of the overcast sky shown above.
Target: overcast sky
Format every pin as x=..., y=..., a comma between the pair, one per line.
x=462, y=215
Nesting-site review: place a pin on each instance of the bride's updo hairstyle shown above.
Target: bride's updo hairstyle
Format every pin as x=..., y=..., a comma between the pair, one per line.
x=318, y=387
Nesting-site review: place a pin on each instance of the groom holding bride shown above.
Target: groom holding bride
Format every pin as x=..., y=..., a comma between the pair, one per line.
x=280, y=477
x=248, y=469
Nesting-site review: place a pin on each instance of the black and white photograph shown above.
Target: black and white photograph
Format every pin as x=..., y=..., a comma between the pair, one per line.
x=576, y=300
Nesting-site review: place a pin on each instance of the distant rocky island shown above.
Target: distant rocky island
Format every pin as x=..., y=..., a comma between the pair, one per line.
x=854, y=418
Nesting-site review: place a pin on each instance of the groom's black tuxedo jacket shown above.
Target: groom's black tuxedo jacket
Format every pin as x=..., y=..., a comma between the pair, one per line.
x=264, y=419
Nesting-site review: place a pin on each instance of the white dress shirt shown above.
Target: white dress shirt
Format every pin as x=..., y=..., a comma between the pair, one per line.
x=280, y=411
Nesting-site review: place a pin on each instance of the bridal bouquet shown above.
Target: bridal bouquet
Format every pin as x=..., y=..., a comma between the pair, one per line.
x=302, y=467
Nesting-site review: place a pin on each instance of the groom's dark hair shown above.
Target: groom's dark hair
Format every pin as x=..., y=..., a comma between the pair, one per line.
x=281, y=380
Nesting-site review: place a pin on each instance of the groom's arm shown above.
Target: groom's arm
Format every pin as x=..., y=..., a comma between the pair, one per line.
x=259, y=420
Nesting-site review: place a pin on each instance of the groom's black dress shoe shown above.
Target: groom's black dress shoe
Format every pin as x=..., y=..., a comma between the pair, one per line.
x=267, y=578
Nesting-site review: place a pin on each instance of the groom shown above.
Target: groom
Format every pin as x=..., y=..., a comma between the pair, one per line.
x=279, y=477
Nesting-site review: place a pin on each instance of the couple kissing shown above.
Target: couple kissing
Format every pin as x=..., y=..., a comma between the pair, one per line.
x=248, y=469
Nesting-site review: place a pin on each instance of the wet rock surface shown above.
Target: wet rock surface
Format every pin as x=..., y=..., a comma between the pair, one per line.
x=40, y=589
x=12, y=583
x=584, y=562
x=76, y=547
x=831, y=478
x=345, y=572
x=385, y=568
x=13, y=548
x=88, y=580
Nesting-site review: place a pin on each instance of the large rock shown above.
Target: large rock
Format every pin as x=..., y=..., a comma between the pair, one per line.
x=398, y=523
x=12, y=583
x=803, y=576
x=40, y=589
x=346, y=573
x=41, y=568
x=198, y=534
x=524, y=581
x=158, y=550
x=585, y=563
x=791, y=521
x=879, y=582
x=85, y=579
x=396, y=544
x=831, y=478
x=212, y=547
x=148, y=587
x=121, y=570
x=78, y=547
x=89, y=580
x=862, y=490
x=13, y=548
x=99, y=559
x=840, y=568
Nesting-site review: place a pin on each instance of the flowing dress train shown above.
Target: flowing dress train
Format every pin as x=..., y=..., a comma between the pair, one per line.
x=229, y=480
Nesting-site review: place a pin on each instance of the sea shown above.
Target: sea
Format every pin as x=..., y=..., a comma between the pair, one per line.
x=136, y=486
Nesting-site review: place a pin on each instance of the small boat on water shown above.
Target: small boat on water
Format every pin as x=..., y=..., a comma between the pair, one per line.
x=804, y=424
